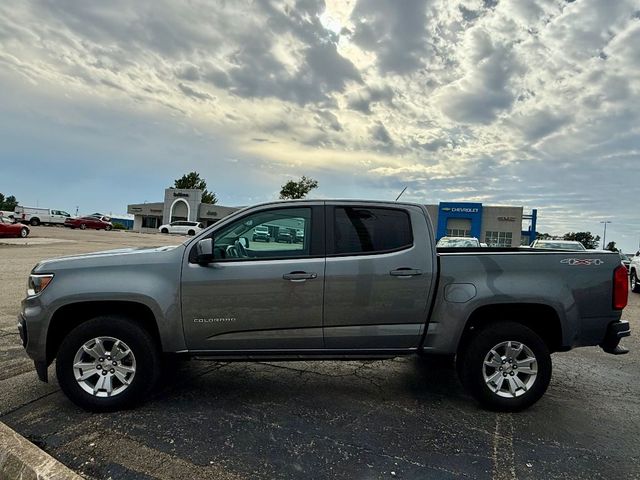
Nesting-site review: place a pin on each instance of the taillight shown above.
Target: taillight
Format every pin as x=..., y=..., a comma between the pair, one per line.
x=620, y=288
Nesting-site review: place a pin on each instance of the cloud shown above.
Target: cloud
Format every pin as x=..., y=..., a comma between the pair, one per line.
x=397, y=36
x=502, y=102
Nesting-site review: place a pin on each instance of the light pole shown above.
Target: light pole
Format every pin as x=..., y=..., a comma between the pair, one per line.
x=604, y=236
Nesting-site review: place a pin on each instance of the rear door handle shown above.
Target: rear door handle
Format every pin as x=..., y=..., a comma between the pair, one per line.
x=405, y=272
x=299, y=276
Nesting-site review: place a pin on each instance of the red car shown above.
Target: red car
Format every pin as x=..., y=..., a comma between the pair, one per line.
x=9, y=228
x=88, y=222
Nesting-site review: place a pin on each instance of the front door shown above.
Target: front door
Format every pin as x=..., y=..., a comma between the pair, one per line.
x=378, y=278
x=258, y=295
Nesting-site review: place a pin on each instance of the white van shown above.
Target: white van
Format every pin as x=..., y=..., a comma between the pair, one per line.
x=36, y=216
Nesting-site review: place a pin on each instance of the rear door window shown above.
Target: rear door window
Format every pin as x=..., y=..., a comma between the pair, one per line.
x=360, y=230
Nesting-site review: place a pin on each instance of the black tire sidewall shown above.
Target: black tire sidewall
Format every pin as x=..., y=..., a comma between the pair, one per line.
x=471, y=361
x=138, y=340
x=634, y=276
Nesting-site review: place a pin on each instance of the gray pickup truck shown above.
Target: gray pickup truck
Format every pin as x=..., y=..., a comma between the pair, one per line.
x=364, y=282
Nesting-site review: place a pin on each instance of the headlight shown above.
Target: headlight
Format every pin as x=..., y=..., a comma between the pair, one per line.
x=37, y=283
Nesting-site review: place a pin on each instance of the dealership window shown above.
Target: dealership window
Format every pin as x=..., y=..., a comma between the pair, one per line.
x=498, y=239
x=151, y=222
x=370, y=230
x=456, y=232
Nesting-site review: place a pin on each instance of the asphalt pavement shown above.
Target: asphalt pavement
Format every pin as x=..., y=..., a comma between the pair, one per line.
x=402, y=418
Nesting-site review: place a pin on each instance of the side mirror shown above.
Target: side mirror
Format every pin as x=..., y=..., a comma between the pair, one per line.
x=244, y=241
x=204, y=249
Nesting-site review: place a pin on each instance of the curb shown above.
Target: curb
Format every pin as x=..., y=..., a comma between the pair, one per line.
x=21, y=459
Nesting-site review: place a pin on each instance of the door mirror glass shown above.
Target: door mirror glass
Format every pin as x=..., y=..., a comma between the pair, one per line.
x=204, y=250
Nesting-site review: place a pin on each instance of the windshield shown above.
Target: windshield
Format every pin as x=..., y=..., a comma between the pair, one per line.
x=458, y=242
x=560, y=245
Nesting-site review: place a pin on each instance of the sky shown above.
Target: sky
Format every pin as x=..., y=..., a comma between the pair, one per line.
x=532, y=103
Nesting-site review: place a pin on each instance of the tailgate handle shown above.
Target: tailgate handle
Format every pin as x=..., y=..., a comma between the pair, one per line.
x=299, y=276
x=405, y=272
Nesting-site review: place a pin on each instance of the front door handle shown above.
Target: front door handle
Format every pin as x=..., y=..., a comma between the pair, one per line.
x=299, y=276
x=405, y=272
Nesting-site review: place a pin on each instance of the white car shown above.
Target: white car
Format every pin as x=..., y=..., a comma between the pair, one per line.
x=558, y=245
x=458, y=242
x=182, y=227
x=634, y=273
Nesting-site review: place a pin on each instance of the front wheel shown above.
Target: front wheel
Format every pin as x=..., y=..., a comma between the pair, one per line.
x=24, y=232
x=191, y=233
x=83, y=226
x=635, y=283
x=107, y=363
x=164, y=230
x=108, y=228
x=505, y=366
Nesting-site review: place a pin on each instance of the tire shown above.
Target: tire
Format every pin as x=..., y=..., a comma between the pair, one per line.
x=108, y=228
x=143, y=357
x=83, y=226
x=191, y=233
x=635, y=283
x=164, y=230
x=34, y=222
x=476, y=375
x=24, y=232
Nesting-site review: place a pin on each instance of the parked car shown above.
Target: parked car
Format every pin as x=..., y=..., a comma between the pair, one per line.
x=558, y=245
x=182, y=227
x=368, y=282
x=299, y=238
x=624, y=258
x=88, y=222
x=36, y=216
x=634, y=272
x=458, y=242
x=284, y=236
x=261, y=233
x=10, y=228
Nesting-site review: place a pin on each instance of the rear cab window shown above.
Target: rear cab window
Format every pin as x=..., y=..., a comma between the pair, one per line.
x=355, y=230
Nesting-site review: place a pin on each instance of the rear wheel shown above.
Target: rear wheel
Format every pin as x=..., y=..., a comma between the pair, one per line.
x=107, y=363
x=34, y=222
x=83, y=226
x=164, y=230
x=505, y=366
x=635, y=283
x=24, y=232
x=108, y=227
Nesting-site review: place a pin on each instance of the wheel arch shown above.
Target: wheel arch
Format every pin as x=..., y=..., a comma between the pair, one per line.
x=542, y=319
x=69, y=316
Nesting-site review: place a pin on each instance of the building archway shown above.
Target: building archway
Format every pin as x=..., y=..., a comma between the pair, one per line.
x=179, y=210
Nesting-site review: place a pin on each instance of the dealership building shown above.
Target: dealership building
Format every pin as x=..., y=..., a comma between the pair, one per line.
x=498, y=226
x=179, y=204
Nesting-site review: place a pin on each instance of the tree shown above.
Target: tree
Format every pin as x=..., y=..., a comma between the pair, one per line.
x=611, y=246
x=9, y=203
x=293, y=190
x=193, y=180
x=585, y=238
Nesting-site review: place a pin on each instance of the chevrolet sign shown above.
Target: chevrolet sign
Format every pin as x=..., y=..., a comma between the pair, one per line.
x=461, y=209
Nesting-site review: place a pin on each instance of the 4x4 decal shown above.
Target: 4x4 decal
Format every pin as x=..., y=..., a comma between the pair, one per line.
x=582, y=261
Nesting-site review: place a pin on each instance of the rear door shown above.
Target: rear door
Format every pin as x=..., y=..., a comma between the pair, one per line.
x=379, y=276
x=257, y=295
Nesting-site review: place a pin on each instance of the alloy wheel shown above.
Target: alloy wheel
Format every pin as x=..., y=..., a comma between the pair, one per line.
x=104, y=366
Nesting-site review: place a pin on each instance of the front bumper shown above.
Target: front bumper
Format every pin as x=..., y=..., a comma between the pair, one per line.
x=616, y=331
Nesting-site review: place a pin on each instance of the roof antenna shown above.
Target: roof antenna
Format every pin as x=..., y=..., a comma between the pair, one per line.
x=401, y=193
